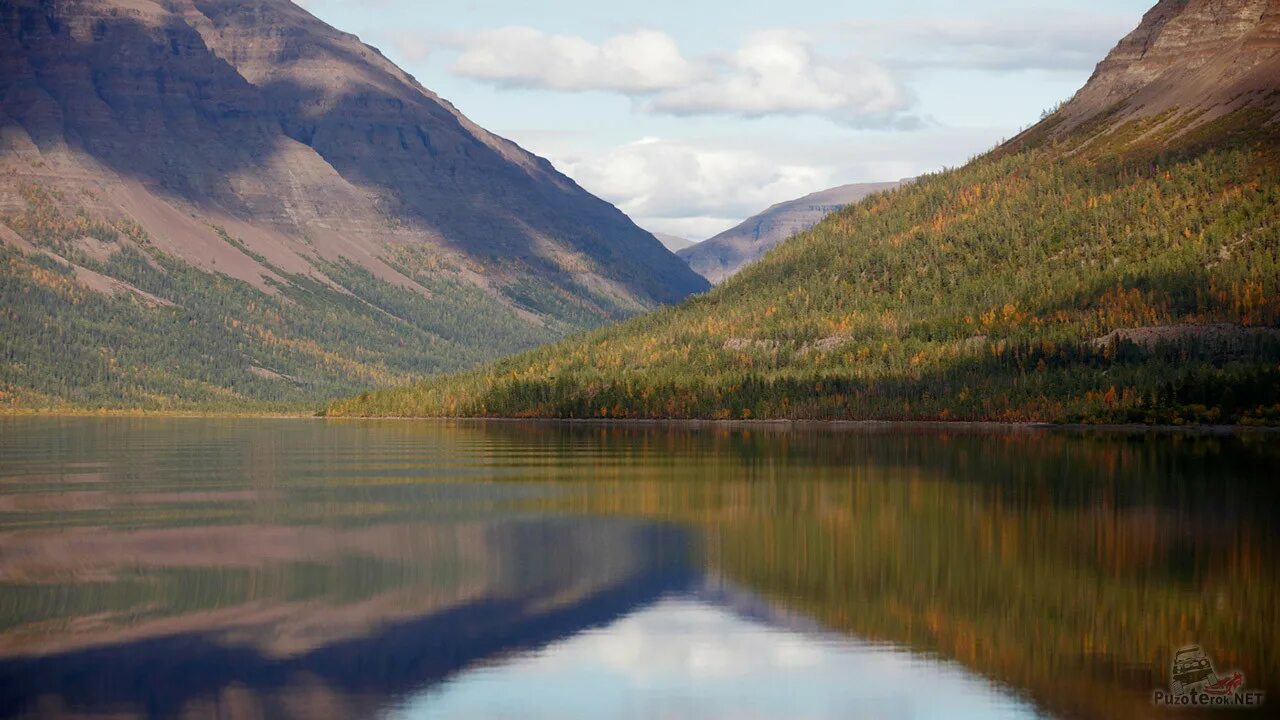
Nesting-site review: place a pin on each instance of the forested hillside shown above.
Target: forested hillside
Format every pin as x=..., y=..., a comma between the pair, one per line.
x=1070, y=280
x=1119, y=262
x=95, y=315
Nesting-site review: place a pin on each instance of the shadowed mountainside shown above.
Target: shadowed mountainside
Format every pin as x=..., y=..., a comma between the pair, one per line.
x=252, y=143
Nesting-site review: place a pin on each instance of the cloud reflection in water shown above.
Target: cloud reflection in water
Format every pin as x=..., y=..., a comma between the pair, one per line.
x=687, y=656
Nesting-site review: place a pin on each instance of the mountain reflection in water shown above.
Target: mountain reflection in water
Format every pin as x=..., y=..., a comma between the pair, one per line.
x=288, y=568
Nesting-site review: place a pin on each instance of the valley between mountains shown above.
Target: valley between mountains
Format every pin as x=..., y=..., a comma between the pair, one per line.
x=223, y=205
x=1118, y=262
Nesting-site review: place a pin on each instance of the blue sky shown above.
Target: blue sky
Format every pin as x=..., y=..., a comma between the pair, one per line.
x=691, y=115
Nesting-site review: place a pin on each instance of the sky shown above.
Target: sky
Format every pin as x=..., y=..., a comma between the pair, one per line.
x=691, y=115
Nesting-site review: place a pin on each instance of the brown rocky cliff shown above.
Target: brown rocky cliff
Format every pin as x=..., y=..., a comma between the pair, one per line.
x=1207, y=57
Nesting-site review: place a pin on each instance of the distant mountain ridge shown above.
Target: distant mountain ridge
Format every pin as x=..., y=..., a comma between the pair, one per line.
x=250, y=141
x=674, y=243
x=721, y=256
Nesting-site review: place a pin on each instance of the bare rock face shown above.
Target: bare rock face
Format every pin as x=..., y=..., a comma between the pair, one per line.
x=722, y=256
x=1207, y=57
x=300, y=141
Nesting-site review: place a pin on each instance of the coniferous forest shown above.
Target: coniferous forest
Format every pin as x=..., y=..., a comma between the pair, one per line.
x=95, y=316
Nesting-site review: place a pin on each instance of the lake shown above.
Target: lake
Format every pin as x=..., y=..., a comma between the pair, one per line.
x=290, y=568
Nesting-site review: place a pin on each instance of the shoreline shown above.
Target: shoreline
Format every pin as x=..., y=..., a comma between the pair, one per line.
x=138, y=413
x=779, y=424
x=813, y=424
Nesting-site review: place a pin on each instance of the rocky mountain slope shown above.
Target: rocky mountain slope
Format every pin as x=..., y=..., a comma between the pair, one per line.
x=155, y=154
x=1198, y=59
x=1118, y=262
x=720, y=257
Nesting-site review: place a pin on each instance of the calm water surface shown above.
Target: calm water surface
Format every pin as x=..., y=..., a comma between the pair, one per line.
x=308, y=569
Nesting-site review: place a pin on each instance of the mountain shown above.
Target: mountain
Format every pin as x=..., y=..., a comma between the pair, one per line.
x=219, y=202
x=1198, y=59
x=720, y=257
x=1118, y=262
x=674, y=243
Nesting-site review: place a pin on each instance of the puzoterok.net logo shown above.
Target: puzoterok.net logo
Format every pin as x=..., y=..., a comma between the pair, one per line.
x=1194, y=682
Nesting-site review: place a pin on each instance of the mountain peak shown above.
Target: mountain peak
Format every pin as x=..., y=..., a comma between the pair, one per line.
x=1202, y=59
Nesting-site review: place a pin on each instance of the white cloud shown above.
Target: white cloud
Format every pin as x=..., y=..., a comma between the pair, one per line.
x=779, y=74
x=709, y=173
x=698, y=187
x=687, y=189
x=1046, y=39
x=772, y=73
x=638, y=62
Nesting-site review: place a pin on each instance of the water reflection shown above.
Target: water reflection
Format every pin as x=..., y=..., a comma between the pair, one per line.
x=690, y=656
x=348, y=632
x=254, y=568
